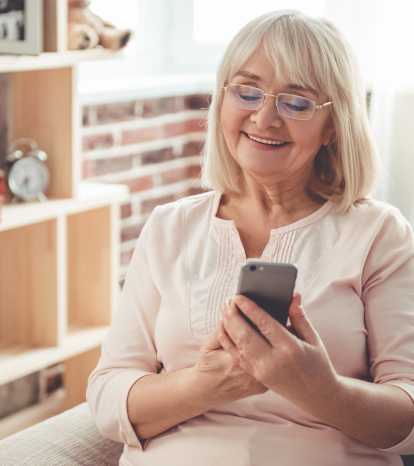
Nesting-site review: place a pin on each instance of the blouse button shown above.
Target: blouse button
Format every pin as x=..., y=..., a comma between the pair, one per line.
x=265, y=258
x=234, y=233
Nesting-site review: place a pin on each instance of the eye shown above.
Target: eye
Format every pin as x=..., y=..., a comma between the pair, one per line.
x=296, y=108
x=248, y=97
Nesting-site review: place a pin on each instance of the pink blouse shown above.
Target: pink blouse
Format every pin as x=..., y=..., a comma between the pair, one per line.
x=356, y=275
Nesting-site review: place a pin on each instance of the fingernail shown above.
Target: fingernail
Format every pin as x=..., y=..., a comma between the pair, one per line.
x=228, y=302
x=240, y=301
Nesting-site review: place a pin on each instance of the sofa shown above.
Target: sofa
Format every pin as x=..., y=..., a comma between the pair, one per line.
x=69, y=439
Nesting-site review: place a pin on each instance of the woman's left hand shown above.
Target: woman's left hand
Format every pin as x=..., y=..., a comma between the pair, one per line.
x=295, y=367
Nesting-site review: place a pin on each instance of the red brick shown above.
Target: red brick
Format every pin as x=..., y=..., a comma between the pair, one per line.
x=157, y=107
x=85, y=116
x=113, y=165
x=149, y=205
x=174, y=176
x=122, y=111
x=126, y=257
x=192, y=148
x=197, y=102
x=135, y=136
x=175, y=129
x=131, y=232
x=156, y=156
x=88, y=168
x=180, y=174
x=196, y=125
x=139, y=184
x=183, y=127
x=98, y=141
x=126, y=210
x=194, y=191
x=193, y=171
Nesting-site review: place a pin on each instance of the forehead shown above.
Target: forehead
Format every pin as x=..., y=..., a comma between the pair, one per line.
x=260, y=70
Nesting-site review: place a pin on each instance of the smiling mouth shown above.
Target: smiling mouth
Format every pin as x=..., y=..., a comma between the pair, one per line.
x=266, y=142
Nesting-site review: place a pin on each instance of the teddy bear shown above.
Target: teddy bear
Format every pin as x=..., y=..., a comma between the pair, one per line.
x=87, y=30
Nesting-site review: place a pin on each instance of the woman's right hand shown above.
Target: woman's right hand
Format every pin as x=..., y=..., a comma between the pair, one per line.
x=222, y=378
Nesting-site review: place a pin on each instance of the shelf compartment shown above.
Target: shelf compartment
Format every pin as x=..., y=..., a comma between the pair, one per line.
x=89, y=262
x=20, y=360
x=45, y=109
x=76, y=375
x=90, y=196
x=29, y=285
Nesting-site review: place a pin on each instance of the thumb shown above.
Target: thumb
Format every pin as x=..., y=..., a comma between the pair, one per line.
x=211, y=342
x=300, y=321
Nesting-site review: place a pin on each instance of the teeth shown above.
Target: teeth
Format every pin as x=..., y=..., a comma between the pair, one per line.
x=265, y=141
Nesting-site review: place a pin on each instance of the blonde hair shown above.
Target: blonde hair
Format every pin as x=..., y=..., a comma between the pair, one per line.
x=312, y=53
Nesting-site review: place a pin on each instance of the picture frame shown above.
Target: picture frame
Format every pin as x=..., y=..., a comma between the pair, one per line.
x=21, y=27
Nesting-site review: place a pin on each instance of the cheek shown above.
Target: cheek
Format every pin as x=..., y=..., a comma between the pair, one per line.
x=310, y=137
x=231, y=125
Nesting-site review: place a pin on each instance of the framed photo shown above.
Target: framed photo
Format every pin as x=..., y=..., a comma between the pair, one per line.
x=21, y=27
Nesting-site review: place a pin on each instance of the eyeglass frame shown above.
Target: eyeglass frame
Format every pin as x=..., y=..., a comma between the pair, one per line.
x=316, y=107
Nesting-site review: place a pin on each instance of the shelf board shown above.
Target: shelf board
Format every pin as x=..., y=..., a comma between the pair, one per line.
x=91, y=196
x=47, y=60
x=19, y=361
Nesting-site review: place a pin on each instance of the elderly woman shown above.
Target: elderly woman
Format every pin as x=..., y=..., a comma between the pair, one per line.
x=183, y=378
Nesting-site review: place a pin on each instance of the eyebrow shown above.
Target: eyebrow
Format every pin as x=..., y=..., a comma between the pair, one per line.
x=248, y=74
x=255, y=77
x=301, y=88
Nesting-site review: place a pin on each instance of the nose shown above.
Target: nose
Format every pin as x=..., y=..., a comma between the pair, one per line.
x=267, y=115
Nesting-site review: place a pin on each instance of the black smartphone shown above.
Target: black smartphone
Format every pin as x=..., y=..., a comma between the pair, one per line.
x=270, y=285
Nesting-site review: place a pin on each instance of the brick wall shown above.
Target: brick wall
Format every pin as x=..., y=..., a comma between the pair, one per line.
x=152, y=146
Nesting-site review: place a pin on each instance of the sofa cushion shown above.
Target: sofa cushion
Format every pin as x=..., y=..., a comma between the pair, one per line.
x=69, y=439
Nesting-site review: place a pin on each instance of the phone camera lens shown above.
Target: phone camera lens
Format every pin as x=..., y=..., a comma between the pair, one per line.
x=252, y=268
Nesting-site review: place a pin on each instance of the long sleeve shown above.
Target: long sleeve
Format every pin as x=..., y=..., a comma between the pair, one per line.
x=388, y=296
x=128, y=351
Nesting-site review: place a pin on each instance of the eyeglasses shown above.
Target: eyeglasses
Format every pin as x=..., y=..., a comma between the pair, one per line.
x=288, y=105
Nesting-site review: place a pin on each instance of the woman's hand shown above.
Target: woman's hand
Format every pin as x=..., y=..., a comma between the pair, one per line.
x=224, y=380
x=292, y=361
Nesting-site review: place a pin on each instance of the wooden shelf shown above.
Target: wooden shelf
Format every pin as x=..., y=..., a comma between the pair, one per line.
x=51, y=60
x=90, y=196
x=59, y=260
x=19, y=361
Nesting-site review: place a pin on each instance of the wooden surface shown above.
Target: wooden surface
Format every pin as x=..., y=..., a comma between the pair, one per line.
x=90, y=196
x=59, y=260
x=45, y=109
x=89, y=268
x=12, y=63
x=75, y=378
x=28, y=285
x=19, y=361
x=55, y=29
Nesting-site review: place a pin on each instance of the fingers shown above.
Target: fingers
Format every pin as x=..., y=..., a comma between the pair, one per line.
x=243, y=336
x=269, y=327
x=300, y=321
x=211, y=342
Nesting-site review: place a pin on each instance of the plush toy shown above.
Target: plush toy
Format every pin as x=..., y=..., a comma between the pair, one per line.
x=87, y=30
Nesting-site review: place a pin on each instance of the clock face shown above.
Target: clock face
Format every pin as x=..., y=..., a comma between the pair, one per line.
x=28, y=178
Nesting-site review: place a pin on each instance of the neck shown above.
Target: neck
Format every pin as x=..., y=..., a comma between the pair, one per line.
x=289, y=197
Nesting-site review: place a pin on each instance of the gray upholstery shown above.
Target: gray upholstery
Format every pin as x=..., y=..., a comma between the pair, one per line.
x=69, y=439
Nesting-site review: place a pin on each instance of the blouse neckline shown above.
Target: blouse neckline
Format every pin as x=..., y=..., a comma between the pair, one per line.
x=231, y=224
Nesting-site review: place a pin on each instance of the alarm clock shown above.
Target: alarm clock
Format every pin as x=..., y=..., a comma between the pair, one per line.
x=27, y=175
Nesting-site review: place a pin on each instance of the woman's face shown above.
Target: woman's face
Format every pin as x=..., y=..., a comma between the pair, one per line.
x=270, y=164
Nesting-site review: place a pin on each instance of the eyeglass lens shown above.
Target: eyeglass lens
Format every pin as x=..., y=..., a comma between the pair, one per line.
x=290, y=106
